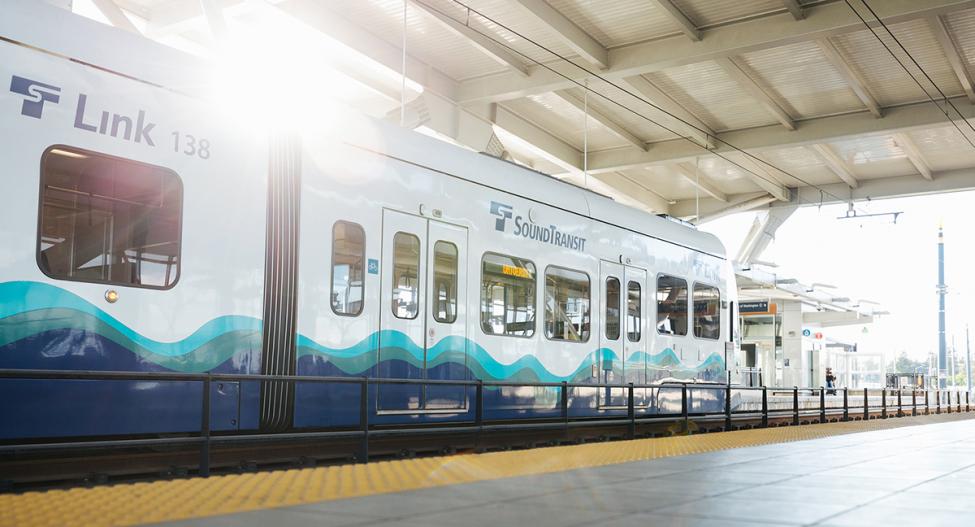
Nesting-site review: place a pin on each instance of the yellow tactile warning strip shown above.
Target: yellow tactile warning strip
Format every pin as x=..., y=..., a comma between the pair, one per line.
x=140, y=503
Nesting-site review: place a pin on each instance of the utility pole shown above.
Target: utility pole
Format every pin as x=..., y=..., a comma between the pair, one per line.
x=968, y=360
x=942, y=290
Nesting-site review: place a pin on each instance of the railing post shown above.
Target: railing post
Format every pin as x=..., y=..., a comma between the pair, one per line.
x=822, y=404
x=927, y=403
x=364, y=419
x=937, y=402
x=764, y=407
x=727, y=408
x=478, y=411
x=684, y=408
x=900, y=407
x=883, y=403
x=846, y=404
x=795, y=406
x=958, y=401
x=967, y=408
x=564, y=403
x=914, y=402
x=630, y=412
x=949, y=402
x=204, y=469
x=866, y=405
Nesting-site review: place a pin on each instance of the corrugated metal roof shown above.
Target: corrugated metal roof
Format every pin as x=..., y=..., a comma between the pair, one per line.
x=426, y=38
x=961, y=25
x=643, y=127
x=708, y=92
x=887, y=79
x=564, y=121
x=944, y=148
x=619, y=22
x=710, y=13
x=804, y=80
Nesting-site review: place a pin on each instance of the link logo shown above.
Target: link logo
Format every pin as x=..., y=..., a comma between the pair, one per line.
x=36, y=94
x=503, y=212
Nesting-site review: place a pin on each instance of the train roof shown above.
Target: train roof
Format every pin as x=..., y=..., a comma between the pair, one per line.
x=58, y=31
x=490, y=171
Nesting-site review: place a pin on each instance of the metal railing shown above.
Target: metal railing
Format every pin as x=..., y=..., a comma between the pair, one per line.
x=814, y=408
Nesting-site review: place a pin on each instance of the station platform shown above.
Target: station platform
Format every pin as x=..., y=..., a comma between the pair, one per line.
x=910, y=470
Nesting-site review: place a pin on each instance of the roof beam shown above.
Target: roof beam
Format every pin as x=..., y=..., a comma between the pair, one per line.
x=556, y=150
x=761, y=177
x=701, y=181
x=628, y=187
x=678, y=17
x=669, y=112
x=718, y=209
x=577, y=39
x=390, y=56
x=837, y=165
x=603, y=119
x=114, y=14
x=742, y=75
x=794, y=9
x=913, y=155
x=950, y=48
x=852, y=77
x=215, y=20
x=482, y=42
x=766, y=32
x=916, y=116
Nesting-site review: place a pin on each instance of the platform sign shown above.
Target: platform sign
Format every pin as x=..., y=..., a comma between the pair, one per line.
x=758, y=307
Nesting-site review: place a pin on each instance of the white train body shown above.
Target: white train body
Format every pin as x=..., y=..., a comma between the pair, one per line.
x=252, y=283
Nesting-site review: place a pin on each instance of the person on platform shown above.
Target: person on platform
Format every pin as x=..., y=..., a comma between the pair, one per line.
x=830, y=382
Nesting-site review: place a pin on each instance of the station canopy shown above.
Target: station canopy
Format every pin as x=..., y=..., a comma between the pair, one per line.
x=694, y=108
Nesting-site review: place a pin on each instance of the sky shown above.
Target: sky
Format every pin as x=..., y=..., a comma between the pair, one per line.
x=875, y=259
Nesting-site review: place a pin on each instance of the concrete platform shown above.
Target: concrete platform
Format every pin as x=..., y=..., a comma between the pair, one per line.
x=909, y=470
x=919, y=475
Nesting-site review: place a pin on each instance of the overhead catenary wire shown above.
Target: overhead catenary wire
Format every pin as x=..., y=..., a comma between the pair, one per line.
x=908, y=71
x=594, y=74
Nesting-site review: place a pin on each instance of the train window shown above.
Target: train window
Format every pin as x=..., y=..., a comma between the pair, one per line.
x=507, y=296
x=612, y=308
x=634, y=322
x=671, y=305
x=406, y=275
x=348, y=255
x=444, y=282
x=566, y=305
x=108, y=220
x=707, y=312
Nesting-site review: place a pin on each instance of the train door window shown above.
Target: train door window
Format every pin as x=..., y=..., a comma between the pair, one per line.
x=444, y=282
x=406, y=275
x=108, y=220
x=671, y=305
x=612, y=308
x=634, y=317
x=707, y=312
x=566, y=305
x=348, y=255
x=507, y=296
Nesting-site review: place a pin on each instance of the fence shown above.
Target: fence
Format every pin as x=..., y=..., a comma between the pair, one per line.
x=805, y=403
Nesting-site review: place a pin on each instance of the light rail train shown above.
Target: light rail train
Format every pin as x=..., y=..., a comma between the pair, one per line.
x=142, y=230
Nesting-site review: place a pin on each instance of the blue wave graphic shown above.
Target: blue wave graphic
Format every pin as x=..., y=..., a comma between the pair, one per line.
x=20, y=297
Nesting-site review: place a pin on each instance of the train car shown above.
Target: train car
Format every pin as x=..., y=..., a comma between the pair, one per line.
x=143, y=229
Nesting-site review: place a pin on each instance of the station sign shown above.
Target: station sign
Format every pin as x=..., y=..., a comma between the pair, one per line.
x=757, y=307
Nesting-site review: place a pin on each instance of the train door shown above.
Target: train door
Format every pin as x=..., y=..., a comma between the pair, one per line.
x=622, y=354
x=635, y=345
x=422, y=320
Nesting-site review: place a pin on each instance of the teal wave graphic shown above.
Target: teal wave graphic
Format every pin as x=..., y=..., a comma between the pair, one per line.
x=17, y=298
x=30, y=308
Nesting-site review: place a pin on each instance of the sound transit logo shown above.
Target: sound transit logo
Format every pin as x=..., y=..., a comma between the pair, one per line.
x=503, y=212
x=551, y=234
x=36, y=94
